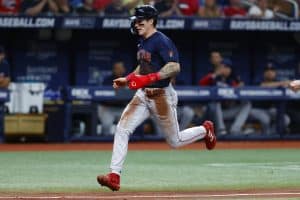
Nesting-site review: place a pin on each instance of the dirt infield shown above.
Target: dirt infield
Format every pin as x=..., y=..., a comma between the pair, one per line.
x=246, y=194
x=145, y=146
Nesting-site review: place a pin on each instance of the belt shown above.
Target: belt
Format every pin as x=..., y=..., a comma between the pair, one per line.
x=153, y=92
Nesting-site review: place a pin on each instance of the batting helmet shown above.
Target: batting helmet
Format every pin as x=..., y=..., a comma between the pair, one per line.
x=143, y=12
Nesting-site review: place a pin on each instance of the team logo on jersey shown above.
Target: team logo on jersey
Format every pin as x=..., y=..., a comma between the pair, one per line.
x=144, y=55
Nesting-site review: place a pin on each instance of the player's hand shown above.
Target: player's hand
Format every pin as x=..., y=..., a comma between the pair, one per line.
x=295, y=85
x=139, y=81
x=119, y=82
x=285, y=83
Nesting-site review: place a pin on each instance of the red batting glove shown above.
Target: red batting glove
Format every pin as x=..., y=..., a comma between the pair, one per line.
x=130, y=76
x=140, y=81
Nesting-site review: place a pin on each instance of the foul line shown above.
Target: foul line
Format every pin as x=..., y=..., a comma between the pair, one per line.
x=283, y=194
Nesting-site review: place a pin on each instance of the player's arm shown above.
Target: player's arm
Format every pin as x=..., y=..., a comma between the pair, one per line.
x=295, y=85
x=36, y=9
x=122, y=82
x=275, y=84
x=137, y=70
x=170, y=70
x=52, y=6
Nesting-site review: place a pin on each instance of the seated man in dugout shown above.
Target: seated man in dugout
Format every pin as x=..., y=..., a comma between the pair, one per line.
x=222, y=75
x=265, y=112
x=4, y=69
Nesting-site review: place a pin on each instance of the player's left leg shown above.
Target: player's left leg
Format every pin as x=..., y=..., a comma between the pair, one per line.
x=133, y=115
x=164, y=109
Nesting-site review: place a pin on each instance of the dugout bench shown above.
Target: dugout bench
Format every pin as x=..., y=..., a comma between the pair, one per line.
x=185, y=94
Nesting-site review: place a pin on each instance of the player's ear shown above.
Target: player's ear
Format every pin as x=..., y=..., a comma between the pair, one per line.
x=151, y=21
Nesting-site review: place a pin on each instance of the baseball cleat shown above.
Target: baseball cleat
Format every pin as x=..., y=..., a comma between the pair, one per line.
x=111, y=180
x=210, y=138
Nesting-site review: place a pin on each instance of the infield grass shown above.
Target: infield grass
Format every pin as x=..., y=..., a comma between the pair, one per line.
x=174, y=170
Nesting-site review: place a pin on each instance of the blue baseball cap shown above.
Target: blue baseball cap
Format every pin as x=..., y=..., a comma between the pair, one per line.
x=270, y=66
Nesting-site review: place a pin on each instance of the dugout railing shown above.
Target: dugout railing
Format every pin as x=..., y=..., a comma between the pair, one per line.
x=280, y=96
x=91, y=96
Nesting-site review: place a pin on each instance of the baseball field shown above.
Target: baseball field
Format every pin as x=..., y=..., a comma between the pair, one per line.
x=235, y=170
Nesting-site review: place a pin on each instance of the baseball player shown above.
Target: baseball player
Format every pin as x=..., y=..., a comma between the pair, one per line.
x=158, y=63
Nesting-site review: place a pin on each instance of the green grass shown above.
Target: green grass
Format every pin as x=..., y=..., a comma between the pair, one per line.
x=151, y=170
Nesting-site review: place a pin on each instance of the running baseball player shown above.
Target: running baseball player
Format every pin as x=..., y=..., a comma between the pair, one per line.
x=158, y=63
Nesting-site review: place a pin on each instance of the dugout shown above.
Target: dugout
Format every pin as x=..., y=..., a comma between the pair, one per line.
x=81, y=56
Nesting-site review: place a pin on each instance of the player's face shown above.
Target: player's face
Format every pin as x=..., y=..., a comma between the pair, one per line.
x=119, y=69
x=215, y=58
x=143, y=26
x=270, y=75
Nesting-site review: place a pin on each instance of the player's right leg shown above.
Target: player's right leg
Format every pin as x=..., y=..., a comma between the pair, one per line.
x=133, y=115
x=164, y=109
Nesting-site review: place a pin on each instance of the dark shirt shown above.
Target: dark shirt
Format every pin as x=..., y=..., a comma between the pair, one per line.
x=209, y=80
x=4, y=69
x=264, y=104
x=153, y=53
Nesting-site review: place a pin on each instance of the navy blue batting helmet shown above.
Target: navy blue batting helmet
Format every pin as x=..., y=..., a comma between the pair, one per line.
x=143, y=12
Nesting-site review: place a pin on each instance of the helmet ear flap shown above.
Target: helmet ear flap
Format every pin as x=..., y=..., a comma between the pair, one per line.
x=132, y=25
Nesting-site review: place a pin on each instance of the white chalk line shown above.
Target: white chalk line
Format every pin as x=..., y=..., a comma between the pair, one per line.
x=182, y=196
